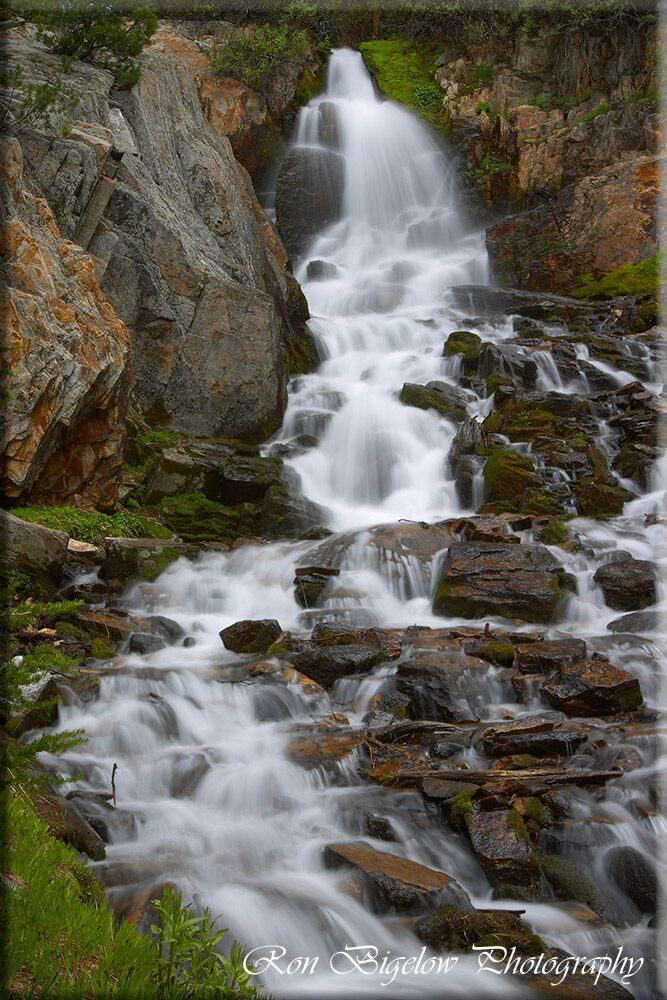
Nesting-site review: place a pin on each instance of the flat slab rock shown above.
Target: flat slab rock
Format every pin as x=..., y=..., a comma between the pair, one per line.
x=628, y=585
x=593, y=688
x=396, y=882
x=552, y=654
x=496, y=578
x=506, y=857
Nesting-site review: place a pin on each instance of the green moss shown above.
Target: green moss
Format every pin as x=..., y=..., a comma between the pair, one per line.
x=495, y=381
x=71, y=631
x=483, y=107
x=466, y=343
x=507, y=475
x=523, y=762
x=197, y=519
x=100, y=649
x=515, y=820
x=430, y=399
x=640, y=281
x=497, y=652
x=554, y=534
x=404, y=72
x=568, y=881
x=534, y=815
x=40, y=612
x=460, y=807
x=45, y=657
x=487, y=165
x=301, y=356
x=90, y=526
x=16, y=586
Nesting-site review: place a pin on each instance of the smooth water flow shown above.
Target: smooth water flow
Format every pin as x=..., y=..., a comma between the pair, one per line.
x=209, y=795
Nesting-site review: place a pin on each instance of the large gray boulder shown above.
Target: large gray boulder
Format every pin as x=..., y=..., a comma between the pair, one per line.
x=309, y=194
x=31, y=548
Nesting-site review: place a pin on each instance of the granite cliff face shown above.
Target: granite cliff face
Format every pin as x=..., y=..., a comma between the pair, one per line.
x=560, y=134
x=164, y=224
x=68, y=356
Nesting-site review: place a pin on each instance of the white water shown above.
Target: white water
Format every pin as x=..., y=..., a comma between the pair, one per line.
x=207, y=796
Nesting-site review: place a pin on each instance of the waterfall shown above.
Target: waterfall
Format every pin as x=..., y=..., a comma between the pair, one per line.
x=209, y=796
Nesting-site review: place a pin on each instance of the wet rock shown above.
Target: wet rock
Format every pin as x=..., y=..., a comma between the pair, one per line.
x=441, y=790
x=628, y=585
x=415, y=542
x=595, y=688
x=141, y=558
x=309, y=192
x=537, y=737
x=507, y=478
x=322, y=747
x=112, y=623
x=67, y=823
x=488, y=578
x=441, y=685
x=187, y=773
x=635, y=875
x=451, y=929
x=321, y=270
x=466, y=343
x=144, y=643
x=251, y=636
x=569, y=882
x=327, y=634
x=170, y=629
x=95, y=809
x=638, y=622
x=502, y=845
x=551, y=654
x=31, y=548
x=444, y=399
x=484, y=528
x=378, y=827
x=443, y=749
x=310, y=583
x=325, y=664
x=394, y=883
x=509, y=362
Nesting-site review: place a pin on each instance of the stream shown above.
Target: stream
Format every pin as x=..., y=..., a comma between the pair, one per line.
x=209, y=796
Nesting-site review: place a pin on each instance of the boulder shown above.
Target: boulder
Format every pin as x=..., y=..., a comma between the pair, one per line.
x=145, y=643
x=502, y=846
x=31, y=548
x=628, y=585
x=551, y=654
x=635, y=875
x=638, y=622
x=444, y=399
x=595, y=688
x=441, y=685
x=495, y=578
x=130, y=559
x=67, y=823
x=327, y=634
x=395, y=883
x=506, y=362
x=310, y=583
x=508, y=478
x=326, y=664
x=451, y=929
x=537, y=737
x=251, y=636
x=465, y=343
x=309, y=192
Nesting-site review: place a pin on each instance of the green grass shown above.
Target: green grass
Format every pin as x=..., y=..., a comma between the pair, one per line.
x=600, y=109
x=404, y=72
x=89, y=526
x=42, y=612
x=61, y=935
x=548, y=103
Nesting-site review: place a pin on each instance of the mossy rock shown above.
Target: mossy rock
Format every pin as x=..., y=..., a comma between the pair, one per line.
x=424, y=398
x=197, y=519
x=601, y=500
x=450, y=929
x=554, y=533
x=100, y=648
x=507, y=476
x=460, y=807
x=466, y=343
x=500, y=653
x=569, y=882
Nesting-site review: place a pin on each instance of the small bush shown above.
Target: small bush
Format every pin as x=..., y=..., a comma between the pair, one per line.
x=253, y=56
x=106, y=32
x=38, y=106
x=483, y=107
x=427, y=98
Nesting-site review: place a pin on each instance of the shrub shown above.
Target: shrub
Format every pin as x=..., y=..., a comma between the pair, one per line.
x=252, y=56
x=26, y=105
x=600, y=109
x=427, y=98
x=107, y=32
x=188, y=961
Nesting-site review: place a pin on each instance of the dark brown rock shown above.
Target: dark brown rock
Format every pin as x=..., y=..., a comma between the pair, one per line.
x=502, y=846
x=451, y=929
x=251, y=636
x=325, y=664
x=635, y=875
x=595, y=688
x=552, y=654
x=628, y=585
x=397, y=883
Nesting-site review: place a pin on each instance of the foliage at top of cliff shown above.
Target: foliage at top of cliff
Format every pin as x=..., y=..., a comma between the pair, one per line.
x=110, y=33
x=404, y=72
x=254, y=56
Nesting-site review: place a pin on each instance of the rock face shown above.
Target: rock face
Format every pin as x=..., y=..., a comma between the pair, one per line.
x=69, y=359
x=503, y=849
x=180, y=245
x=628, y=585
x=397, y=883
x=489, y=578
x=635, y=875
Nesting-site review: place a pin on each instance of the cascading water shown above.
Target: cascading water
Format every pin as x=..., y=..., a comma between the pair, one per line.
x=208, y=795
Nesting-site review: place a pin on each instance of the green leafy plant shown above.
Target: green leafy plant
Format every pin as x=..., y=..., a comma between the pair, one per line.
x=109, y=33
x=427, y=98
x=600, y=109
x=483, y=107
x=90, y=526
x=189, y=963
x=254, y=55
x=26, y=105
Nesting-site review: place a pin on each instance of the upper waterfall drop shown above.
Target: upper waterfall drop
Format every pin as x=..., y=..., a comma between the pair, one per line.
x=376, y=281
